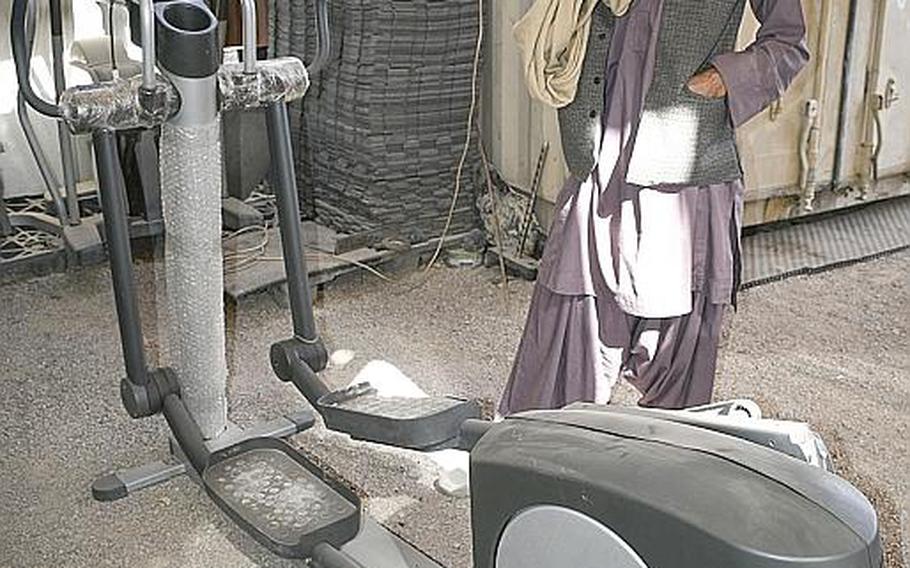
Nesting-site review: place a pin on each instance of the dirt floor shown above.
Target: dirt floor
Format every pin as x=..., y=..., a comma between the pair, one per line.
x=833, y=349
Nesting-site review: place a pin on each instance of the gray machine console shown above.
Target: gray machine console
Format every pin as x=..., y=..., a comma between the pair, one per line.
x=670, y=495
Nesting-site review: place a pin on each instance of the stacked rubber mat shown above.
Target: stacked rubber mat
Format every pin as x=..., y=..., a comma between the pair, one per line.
x=383, y=128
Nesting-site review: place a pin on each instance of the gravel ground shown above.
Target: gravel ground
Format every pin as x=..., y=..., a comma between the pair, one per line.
x=833, y=349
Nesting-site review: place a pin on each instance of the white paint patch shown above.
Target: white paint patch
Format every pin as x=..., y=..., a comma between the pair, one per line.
x=388, y=380
x=341, y=358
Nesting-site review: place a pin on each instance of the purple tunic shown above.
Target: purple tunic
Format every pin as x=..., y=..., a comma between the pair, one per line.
x=634, y=279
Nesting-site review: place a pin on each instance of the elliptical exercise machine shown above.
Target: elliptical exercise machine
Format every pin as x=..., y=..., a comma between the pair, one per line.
x=583, y=487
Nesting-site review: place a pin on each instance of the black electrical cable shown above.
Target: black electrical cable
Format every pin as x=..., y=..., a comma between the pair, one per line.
x=23, y=64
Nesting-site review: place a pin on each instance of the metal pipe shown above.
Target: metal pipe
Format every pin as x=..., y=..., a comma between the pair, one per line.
x=51, y=183
x=815, y=111
x=23, y=63
x=494, y=207
x=6, y=227
x=872, y=102
x=188, y=56
x=249, y=36
x=807, y=190
x=845, y=82
x=289, y=222
x=327, y=556
x=67, y=154
x=525, y=228
x=147, y=23
x=291, y=367
x=186, y=431
x=116, y=226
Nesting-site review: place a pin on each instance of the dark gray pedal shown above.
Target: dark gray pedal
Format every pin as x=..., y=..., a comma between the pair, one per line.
x=413, y=423
x=280, y=498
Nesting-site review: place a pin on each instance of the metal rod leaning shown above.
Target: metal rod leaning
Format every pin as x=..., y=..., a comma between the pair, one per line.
x=289, y=222
x=110, y=182
x=249, y=35
x=147, y=23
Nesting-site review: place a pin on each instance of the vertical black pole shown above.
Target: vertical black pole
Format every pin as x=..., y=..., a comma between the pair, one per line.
x=6, y=228
x=285, y=183
x=66, y=140
x=110, y=182
x=845, y=83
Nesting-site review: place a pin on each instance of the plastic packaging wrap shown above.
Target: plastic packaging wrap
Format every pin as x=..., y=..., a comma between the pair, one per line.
x=191, y=196
x=285, y=78
x=118, y=105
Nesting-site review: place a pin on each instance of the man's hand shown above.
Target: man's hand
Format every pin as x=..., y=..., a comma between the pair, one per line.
x=708, y=84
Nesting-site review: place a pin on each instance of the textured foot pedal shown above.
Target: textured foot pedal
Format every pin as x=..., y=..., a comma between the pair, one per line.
x=280, y=498
x=414, y=423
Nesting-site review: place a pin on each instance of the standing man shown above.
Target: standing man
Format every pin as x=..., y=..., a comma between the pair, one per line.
x=644, y=253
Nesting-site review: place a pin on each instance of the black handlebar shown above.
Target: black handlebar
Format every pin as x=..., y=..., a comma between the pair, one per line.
x=22, y=59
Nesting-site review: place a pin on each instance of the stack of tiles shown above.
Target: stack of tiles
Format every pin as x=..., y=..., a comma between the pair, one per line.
x=382, y=130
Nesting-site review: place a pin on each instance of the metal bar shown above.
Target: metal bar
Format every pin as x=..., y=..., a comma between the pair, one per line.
x=327, y=556
x=6, y=228
x=285, y=183
x=871, y=104
x=150, y=475
x=124, y=483
x=846, y=81
x=283, y=427
x=23, y=63
x=146, y=155
x=305, y=379
x=147, y=23
x=494, y=204
x=116, y=226
x=51, y=183
x=532, y=202
x=66, y=139
x=47, y=174
x=186, y=431
x=249, y=36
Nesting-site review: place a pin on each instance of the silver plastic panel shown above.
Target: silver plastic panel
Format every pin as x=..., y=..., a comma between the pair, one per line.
x=550, y=537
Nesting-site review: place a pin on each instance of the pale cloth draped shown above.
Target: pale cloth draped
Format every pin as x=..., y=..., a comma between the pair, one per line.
x=553, y=39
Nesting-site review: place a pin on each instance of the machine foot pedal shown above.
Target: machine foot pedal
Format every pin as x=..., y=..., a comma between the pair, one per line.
x=280, y=498
x=413, y=423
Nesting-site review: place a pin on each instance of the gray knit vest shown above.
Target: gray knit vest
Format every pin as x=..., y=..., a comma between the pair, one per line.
x=682, y=138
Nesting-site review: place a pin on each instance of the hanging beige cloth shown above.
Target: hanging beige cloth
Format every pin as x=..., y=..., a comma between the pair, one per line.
x=553, y=39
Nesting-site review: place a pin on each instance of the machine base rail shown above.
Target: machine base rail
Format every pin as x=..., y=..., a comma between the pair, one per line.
x=122, y=483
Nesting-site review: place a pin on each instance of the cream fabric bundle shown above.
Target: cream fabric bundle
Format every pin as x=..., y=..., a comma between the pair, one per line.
x=553, y=38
